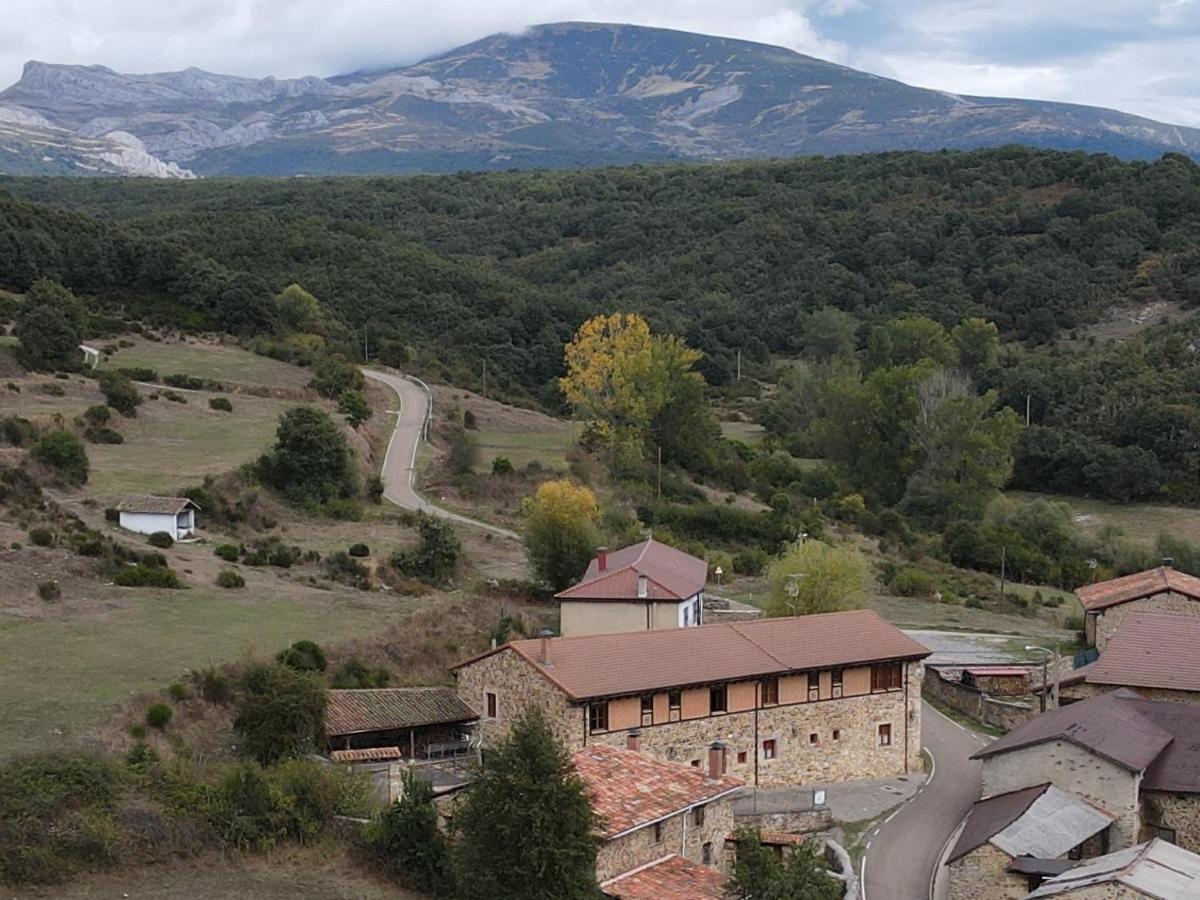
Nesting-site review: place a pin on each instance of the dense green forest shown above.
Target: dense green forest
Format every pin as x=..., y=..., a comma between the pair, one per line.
x=749, y=257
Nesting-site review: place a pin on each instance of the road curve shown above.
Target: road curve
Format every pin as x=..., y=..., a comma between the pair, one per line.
x=399, y=462
x=901, y=857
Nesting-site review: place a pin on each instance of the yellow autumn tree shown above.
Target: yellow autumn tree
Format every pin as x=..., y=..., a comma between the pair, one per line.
x=560, y=531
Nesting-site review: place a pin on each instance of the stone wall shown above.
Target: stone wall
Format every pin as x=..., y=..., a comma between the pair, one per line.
x=1003, y=714
x=1075, y=770
x=1179, y=812
x=1102, y=892
x=519, y=688
x=981, y=875
x=1083, y=691
x=680, y=835
x=808, y=822
x=1103, y=623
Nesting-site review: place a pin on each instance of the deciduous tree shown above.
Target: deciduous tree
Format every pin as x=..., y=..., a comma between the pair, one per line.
x=814, y=577
x=560, y=532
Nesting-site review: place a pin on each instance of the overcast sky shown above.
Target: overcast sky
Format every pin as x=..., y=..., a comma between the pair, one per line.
x=1141, y=56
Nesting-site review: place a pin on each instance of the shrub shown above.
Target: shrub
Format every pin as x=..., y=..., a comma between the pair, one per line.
x=139, y=373
x=227, y=578
x=463, y=453
x=750, y=562
x=406, y=839
x=247, y=810
x=162, y=540
x=97, y=415
x=119, y=393
x=17, y=431
x=359, y=550
x=153, y=560
x=344, y=509
x=141, y=575
x=49, y=590
x=174, y=397
x=158, y=715
x=353, y=405
x=177, y=691
x=913, y=582
x=214, y=686
x=64, y=454
x=469, y=421
x=98, y=435
x=437, y=555
x=220, y=404
x=354, y=673
x=281, y=712
x=502, y=465
x=341, y=566
x=111, y=514
x=303, y=656
x=374, y=489
x=141, y=756
x=311, y=794
x=227, y=552
x=41, y=537
x=137, y=731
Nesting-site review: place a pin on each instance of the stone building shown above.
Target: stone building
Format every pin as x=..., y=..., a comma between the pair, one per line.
x=815, y=698
x=642, y=587
x=1132, y=758
x=1010, y=843
x=1155, y=870
x=1153, y=654
x=651, y=809
x=1161, y=590
x=1000, y=681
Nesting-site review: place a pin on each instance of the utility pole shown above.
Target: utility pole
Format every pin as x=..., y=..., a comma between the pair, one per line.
x=366, y=356
x=739, y=365
x=1028, y=399
x=1003, y=561
x=660, y=472
x=485, y=376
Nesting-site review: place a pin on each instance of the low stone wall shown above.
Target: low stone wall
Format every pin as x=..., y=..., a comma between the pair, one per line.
x=1003, y=714
x=806, y=822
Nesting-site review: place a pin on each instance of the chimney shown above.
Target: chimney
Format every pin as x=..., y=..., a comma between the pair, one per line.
x=716, y=759
x=1168, y=562
x=643, y=587
x=633, y=740
x=544, y=650
x=602, y=559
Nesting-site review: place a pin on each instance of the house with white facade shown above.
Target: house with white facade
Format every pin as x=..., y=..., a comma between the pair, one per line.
x=148, y=515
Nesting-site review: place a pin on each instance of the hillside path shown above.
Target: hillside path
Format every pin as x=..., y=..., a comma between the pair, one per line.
x=400, y=460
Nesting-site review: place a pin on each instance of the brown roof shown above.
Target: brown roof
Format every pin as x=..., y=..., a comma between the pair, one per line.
x=135, y=503
x=991, y=815
x=366, y=754
x=1177, y=767
x=670, y=878
x=388, y=709
x=1153, y=651
x=670, y=575
x=1137, y=586
x=605, y=665
x=989, y=671
x=630, y=789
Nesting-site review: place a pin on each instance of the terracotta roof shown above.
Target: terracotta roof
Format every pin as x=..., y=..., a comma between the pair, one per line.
x=670, y=575
x=670, y=878
x=1136, y=586
x=605, y=665
x=1153, y=651
x=367, y=754
x=387, y=709
x=134, y=503
x=631, y=789
x=1155, y=869
x=1040, y=822
x=987, y=671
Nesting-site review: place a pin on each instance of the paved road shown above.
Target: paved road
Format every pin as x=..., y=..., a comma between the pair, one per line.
x=400, y=460
x=901, y=857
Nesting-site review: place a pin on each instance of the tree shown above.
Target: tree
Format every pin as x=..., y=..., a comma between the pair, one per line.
x=302, y=656
x=280, y=712
x=463, y=453
x=560, y=532
x=826, y=333
x=65, y=454
x=436, y=557
x=760, y=874
x=526, y=829
x=908, y=341
x=354, y=406
x=977, y=342
x=335, y=374
x=814, y=577
x=49, y=341
x=299, y=310
x=310, y=462
x=45, y=292
x=120, y=392
x=407, y=840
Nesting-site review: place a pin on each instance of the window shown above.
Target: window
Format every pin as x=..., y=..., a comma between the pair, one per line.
x=814, y=738
x=706, y=854
x=598, y=717
x=695, y=763
x=770, y=691
x=741, y=757
x=674, y=699
x=658, y=832
x=814, y=685
x=769, y=749
x=837, y=682
x=885, y=735
x=687, y=616
x=698, y=816
x=886, y=677
x=491, y=704
x=647, y=709
x=716, y=699
x=837, y=734
x=1167, y=834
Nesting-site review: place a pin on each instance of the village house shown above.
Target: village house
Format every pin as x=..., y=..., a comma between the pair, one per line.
x=1155, y=870
x=642, y=587
x=1001, y=681
x=1153, y=654
x=1161, y=590
x=1132, y=758
x=1010, y=843
x=826, y=697
x=175, y=516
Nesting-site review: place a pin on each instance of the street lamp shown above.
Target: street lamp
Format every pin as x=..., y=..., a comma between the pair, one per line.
x=1050, y=654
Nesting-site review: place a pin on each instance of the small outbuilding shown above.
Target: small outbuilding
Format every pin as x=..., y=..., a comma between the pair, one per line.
x=148, y=515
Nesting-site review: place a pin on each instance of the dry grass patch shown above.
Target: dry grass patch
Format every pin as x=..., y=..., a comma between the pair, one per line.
x=206, y=358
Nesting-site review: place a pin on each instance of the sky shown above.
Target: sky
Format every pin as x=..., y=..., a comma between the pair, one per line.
x=1139, y=56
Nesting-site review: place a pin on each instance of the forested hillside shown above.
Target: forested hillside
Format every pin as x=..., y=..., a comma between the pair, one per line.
x=731, y=257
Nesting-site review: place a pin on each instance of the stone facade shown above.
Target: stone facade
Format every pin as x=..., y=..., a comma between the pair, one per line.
x=677, y=834
x=970, y=701
x=1178, y=812
x=1102, y=892
x=981, y=875
x=1083, y=691
x=1077, y=771
x=519, y=689
x=1103, y=623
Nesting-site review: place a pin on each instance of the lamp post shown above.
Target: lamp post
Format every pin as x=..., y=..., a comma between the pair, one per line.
x=1050, y=654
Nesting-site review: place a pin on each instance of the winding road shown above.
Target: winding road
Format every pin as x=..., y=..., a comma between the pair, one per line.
x=906, y=850
x=400, y=460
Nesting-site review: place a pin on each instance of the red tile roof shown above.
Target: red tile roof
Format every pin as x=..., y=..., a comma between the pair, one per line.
x=606, y=665
x=670, y=878
x=630, y=789
x=1137, y=586
x=670, y=575
x=389, y=709
x=1151, y=650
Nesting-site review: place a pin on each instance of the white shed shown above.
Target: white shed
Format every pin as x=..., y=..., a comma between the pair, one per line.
x=147, y=515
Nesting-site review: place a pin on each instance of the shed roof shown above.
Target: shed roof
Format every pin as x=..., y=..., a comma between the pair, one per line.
x=1137, y=586
x=604, y=665
x=991, y=815
x=988, y=671
x=1156, y=869
x=366, y=754
x=669, y=878
x=388, y=709
x=1151, y=650
x=670, y=575
x=167, y=506
x=1054, y=823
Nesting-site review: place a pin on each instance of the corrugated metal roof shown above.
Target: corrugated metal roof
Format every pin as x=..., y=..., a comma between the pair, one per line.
x=1136, y=586
x=1053, y=824
x=990, y=815
x=1156, y=869
x=1151, y=650
x=387, y=709
x=136, y=503
x=671, y=575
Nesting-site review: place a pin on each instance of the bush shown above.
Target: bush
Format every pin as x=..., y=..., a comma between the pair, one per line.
x=141, y=575
x=98, y=435
x=162, y=540
x=227, y=578
x=502, y=465
x=119, y=393
x=303, y=656
x=139, y=373
x=158, y=715
x=913, y=582
x=374, y=489
x=97, y=415
x=281, y=713
x=227, y=552
x=221, y=404
x=177, y=691
x=343, y=509
x=463, y=453
x=469, y=421
x=437, y=555
x=341, y=566
x=214, y=686
x=49, y=590
x=64, y=454
x=406, y=839
x=354, y=673
x=247, y=810
x=750, y=562
x=359, y=550
x=112, y=514
x=174, y=397
x=41, y=537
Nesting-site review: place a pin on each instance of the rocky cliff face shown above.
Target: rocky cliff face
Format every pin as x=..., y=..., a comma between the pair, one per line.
x=565, y=94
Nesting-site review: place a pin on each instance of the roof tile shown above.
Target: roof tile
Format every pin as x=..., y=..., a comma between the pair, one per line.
x=671, y=575
x=1152, y=651
x=671, y=878
x=1137, y=586
x=137, y=503
x=387, y=709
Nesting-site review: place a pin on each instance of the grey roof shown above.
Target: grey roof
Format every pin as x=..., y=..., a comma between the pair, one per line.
x=1053, y=824
x=136, y=503
x=991, y=815
x=1157, y=869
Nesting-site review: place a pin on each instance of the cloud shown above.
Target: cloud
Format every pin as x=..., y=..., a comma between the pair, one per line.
x=1135, y=55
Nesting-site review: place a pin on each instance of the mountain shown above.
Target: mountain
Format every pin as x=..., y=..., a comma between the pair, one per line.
x=556, y=95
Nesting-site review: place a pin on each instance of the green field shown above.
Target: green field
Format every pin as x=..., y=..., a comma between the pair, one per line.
x=1142, y=522
x=63, y=677
x=219, y=362
x=547, y=447
x=750, y=432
